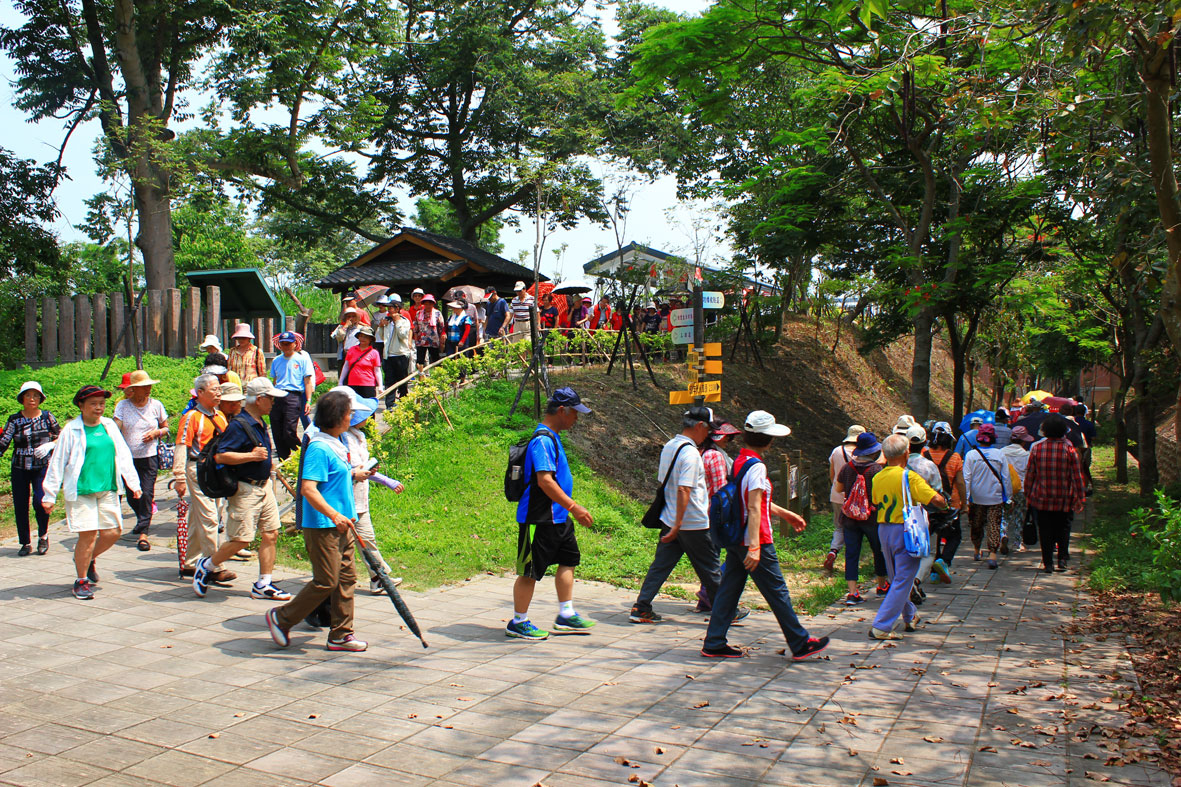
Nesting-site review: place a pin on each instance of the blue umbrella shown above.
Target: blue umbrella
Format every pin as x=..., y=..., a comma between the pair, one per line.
x=988, y=416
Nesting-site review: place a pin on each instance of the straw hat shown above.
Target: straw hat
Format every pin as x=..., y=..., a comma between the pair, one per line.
x=137, y=378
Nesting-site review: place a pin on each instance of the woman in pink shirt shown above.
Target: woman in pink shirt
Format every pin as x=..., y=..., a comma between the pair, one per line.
x=362, y=366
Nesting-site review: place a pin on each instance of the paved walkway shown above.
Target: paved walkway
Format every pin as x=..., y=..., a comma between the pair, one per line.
x=148, y=684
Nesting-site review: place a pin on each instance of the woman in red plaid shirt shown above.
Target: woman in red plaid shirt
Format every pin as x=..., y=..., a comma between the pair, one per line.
x=1054, y=490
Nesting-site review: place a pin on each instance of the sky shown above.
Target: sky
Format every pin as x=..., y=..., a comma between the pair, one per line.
x=657, y=219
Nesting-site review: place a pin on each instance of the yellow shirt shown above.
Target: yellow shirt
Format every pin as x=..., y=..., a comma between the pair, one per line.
x=885, y=492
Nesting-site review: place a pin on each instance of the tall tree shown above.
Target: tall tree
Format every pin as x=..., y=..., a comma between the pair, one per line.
x=127, y=63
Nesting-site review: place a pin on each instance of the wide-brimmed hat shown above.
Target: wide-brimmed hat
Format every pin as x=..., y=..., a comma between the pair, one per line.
x=366, y=330
x=428, y=297
x=867, y=444
x=722, y=429
x=242, y=331
x=231, y=392
x=457, y=304
x=904, y=423
x=762, y=422
x=210, y=341
x=139, y=377
x=88, y=391
x=31, y=385
x=418, y=291
x=262, y=386
x=851, y=435
x=354, y=400
x=362, y=409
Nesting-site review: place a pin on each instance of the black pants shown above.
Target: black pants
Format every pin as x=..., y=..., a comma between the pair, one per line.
x=698, y=545
x=286, y=413
x=24, y=482
x=1053, y=528
x=364, y=391
x=147, y=468
x=854, y=531
x=953, y=533
x=395, y=368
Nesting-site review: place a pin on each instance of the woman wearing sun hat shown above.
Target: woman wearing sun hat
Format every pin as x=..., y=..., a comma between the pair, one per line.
x=90, y=458
x=840, y=456
x=362, y=365
x=429, y=330
x=32, y=433
x=246, y=360
x=143, y=421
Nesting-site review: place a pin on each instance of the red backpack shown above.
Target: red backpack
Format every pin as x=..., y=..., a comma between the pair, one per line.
x=856, y=504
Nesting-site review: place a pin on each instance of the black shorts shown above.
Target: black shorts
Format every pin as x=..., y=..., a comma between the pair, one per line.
x=425, y=353
x=542, y=546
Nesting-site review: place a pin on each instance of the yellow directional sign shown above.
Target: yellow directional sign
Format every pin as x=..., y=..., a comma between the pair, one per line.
x=705, y=388
x=714, y=397
x=713, y=367
x=680, y=397
x=713, y=348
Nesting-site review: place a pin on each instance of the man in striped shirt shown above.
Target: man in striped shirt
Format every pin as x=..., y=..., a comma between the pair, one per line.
x=522, y=305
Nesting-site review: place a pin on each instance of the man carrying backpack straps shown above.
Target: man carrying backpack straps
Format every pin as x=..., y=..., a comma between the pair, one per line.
x=755, y=557
x=685, y=517
x=545, y=533
x=196, y=428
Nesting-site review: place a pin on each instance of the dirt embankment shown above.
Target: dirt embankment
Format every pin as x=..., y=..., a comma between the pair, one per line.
x=817, y=392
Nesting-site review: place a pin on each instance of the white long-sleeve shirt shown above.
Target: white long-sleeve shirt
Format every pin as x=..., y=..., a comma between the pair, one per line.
x=982, y=483
x=65, y=464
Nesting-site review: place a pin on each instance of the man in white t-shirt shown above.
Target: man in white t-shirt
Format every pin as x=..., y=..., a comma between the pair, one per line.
x=685, y=517
x=840, y=456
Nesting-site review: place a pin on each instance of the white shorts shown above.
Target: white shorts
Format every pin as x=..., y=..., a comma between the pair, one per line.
x=94, y=512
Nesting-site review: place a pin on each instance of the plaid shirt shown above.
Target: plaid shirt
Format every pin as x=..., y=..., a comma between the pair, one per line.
x=715, y=470
x=25, y=434
x=1053, y=478
x=249, y=364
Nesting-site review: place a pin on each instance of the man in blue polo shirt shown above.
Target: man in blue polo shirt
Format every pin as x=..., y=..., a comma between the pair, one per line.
x=294, y=374
x=497, y=313
x=545, y=533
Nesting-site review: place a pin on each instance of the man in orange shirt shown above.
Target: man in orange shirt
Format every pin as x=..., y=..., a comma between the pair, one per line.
x=197, y=428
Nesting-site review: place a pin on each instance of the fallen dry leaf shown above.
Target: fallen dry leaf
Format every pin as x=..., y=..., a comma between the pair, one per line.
x=622, y=761
x=702, y=704
x=313, y=715
x=880, y=781
x=988, y=748
x=932, y=739
x=658, y=750
x=215, y=735
x=852, y=752
x=896, y=761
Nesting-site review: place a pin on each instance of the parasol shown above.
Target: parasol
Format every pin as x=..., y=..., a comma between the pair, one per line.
x=1039, y=395
x=378, y=570
x=544, y=288
x=988, y=416
x=464, y=292
x=369, y=293
x=182, y=527
x=572, y=287
x=1056, y=403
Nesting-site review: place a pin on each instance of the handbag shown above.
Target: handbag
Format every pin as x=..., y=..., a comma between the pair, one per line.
x=1029, y=529
x=916, y=532
x=651, y=517
x=166, y=453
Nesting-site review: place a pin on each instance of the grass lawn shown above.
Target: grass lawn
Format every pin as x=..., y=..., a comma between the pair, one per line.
x=453, y=522
x=1118, y=556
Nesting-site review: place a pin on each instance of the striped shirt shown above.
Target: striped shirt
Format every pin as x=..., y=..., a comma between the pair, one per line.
x=521, y=308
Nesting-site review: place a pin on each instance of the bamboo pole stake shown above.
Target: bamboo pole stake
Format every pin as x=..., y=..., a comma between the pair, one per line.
x=435, y=396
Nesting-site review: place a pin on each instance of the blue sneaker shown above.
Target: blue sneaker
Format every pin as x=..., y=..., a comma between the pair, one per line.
x=939, y=569
x=742, y=614
x=201, y=577
x=525, y=630
x=574, y=624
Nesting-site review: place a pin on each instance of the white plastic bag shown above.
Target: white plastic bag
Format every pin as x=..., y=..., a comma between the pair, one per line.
x=916, y=533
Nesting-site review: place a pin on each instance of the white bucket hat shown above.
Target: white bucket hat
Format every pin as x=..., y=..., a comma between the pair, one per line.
x=211, y=341
x=31, y=385
x=762, y=422
x=854, y=430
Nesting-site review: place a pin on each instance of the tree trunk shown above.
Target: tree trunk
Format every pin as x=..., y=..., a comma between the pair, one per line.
x=1156, y=74
x=957, y=375
x=154, y=237
x=1146, y=439
x=920, y=366
x=971, y=369
x=1121, y=436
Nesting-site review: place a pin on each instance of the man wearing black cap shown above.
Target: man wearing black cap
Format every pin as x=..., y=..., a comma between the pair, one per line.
x=685, y=517
x=546, y=534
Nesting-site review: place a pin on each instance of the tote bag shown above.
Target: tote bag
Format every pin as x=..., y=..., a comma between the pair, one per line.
x=916, y=534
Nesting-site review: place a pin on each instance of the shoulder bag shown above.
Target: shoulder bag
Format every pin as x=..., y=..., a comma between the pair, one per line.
x=651, y=517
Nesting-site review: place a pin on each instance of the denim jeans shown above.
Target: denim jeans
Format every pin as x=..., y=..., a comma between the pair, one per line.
x=703, y=555
x=854, y=531
x=769, y=580
x=902, y=570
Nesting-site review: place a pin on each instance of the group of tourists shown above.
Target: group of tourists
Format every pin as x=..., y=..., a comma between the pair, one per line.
x=1020, y=475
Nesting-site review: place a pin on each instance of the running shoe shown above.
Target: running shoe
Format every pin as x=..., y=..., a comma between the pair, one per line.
x=201, y=577
x=830, y=560
x=813, y=646
x=347, y=643
x=940, y=568
x=992, y=564
x=853, y=599
x=92, y=573
x=82, y=590
x=742, y=614
x=724, y=652
x=638, y=615
x=525, y=630
x=269, y=592
x=375, y=587
x=883, y=635
x=883, y=589
x=574, y=624
x=278, y=633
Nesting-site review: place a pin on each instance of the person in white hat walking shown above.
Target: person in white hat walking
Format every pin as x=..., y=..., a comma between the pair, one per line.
x=521, y=306
x=143, y=421
x=246, y=360
x=840, y=456
x=755, y=557
x=210, y=344
x=31, y=432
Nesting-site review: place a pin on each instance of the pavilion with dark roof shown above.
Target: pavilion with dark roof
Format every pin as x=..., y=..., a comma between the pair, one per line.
x=416, y=258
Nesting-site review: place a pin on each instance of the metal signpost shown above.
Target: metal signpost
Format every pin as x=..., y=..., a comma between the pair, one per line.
x=689, y=328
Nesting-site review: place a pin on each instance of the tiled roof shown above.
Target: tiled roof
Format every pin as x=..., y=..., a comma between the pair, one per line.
x=391, y=273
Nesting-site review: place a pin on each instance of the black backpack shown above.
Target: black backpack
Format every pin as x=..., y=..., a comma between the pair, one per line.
x=515, y=481
x=216, y=480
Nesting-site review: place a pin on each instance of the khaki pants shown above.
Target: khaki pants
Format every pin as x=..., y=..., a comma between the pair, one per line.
x=522, y=332
x=333, y=574
x=252, y=508
x=203, y=520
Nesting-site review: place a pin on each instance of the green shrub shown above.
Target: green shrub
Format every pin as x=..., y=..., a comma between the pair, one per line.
x=1161, y=527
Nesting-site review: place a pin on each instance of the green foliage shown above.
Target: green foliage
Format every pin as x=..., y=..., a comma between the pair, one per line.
x=26, y=202
x=1161, y=527
x=439, y=217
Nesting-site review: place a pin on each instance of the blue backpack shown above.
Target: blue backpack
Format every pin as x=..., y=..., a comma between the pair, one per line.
x=726, y=522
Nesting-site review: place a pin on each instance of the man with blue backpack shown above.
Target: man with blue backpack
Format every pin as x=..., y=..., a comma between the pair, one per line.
x=750, y=549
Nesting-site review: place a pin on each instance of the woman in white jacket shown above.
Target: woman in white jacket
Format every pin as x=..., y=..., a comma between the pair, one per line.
x=89, y=459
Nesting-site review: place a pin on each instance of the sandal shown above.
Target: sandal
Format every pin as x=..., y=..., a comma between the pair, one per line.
x=143, y=545
x=42, y=545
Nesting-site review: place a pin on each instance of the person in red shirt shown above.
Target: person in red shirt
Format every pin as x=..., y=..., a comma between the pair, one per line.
x=1055, y=490
x=350, y=302
x=755, y=558
x=601, y=317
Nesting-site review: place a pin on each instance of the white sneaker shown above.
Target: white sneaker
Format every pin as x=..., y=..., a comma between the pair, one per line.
x=269, y=592
x=375, y=587
x=349, y=643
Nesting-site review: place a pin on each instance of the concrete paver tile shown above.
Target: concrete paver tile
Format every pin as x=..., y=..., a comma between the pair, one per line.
x=468, y=744
x=366, y=775
x=49, y=738
x=407, y=758
x=179, y=768
x=54, y=772
x=298, y=764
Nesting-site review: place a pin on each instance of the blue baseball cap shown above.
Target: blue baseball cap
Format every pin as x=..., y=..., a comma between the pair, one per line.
x=286, y=336
x=568, y=397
